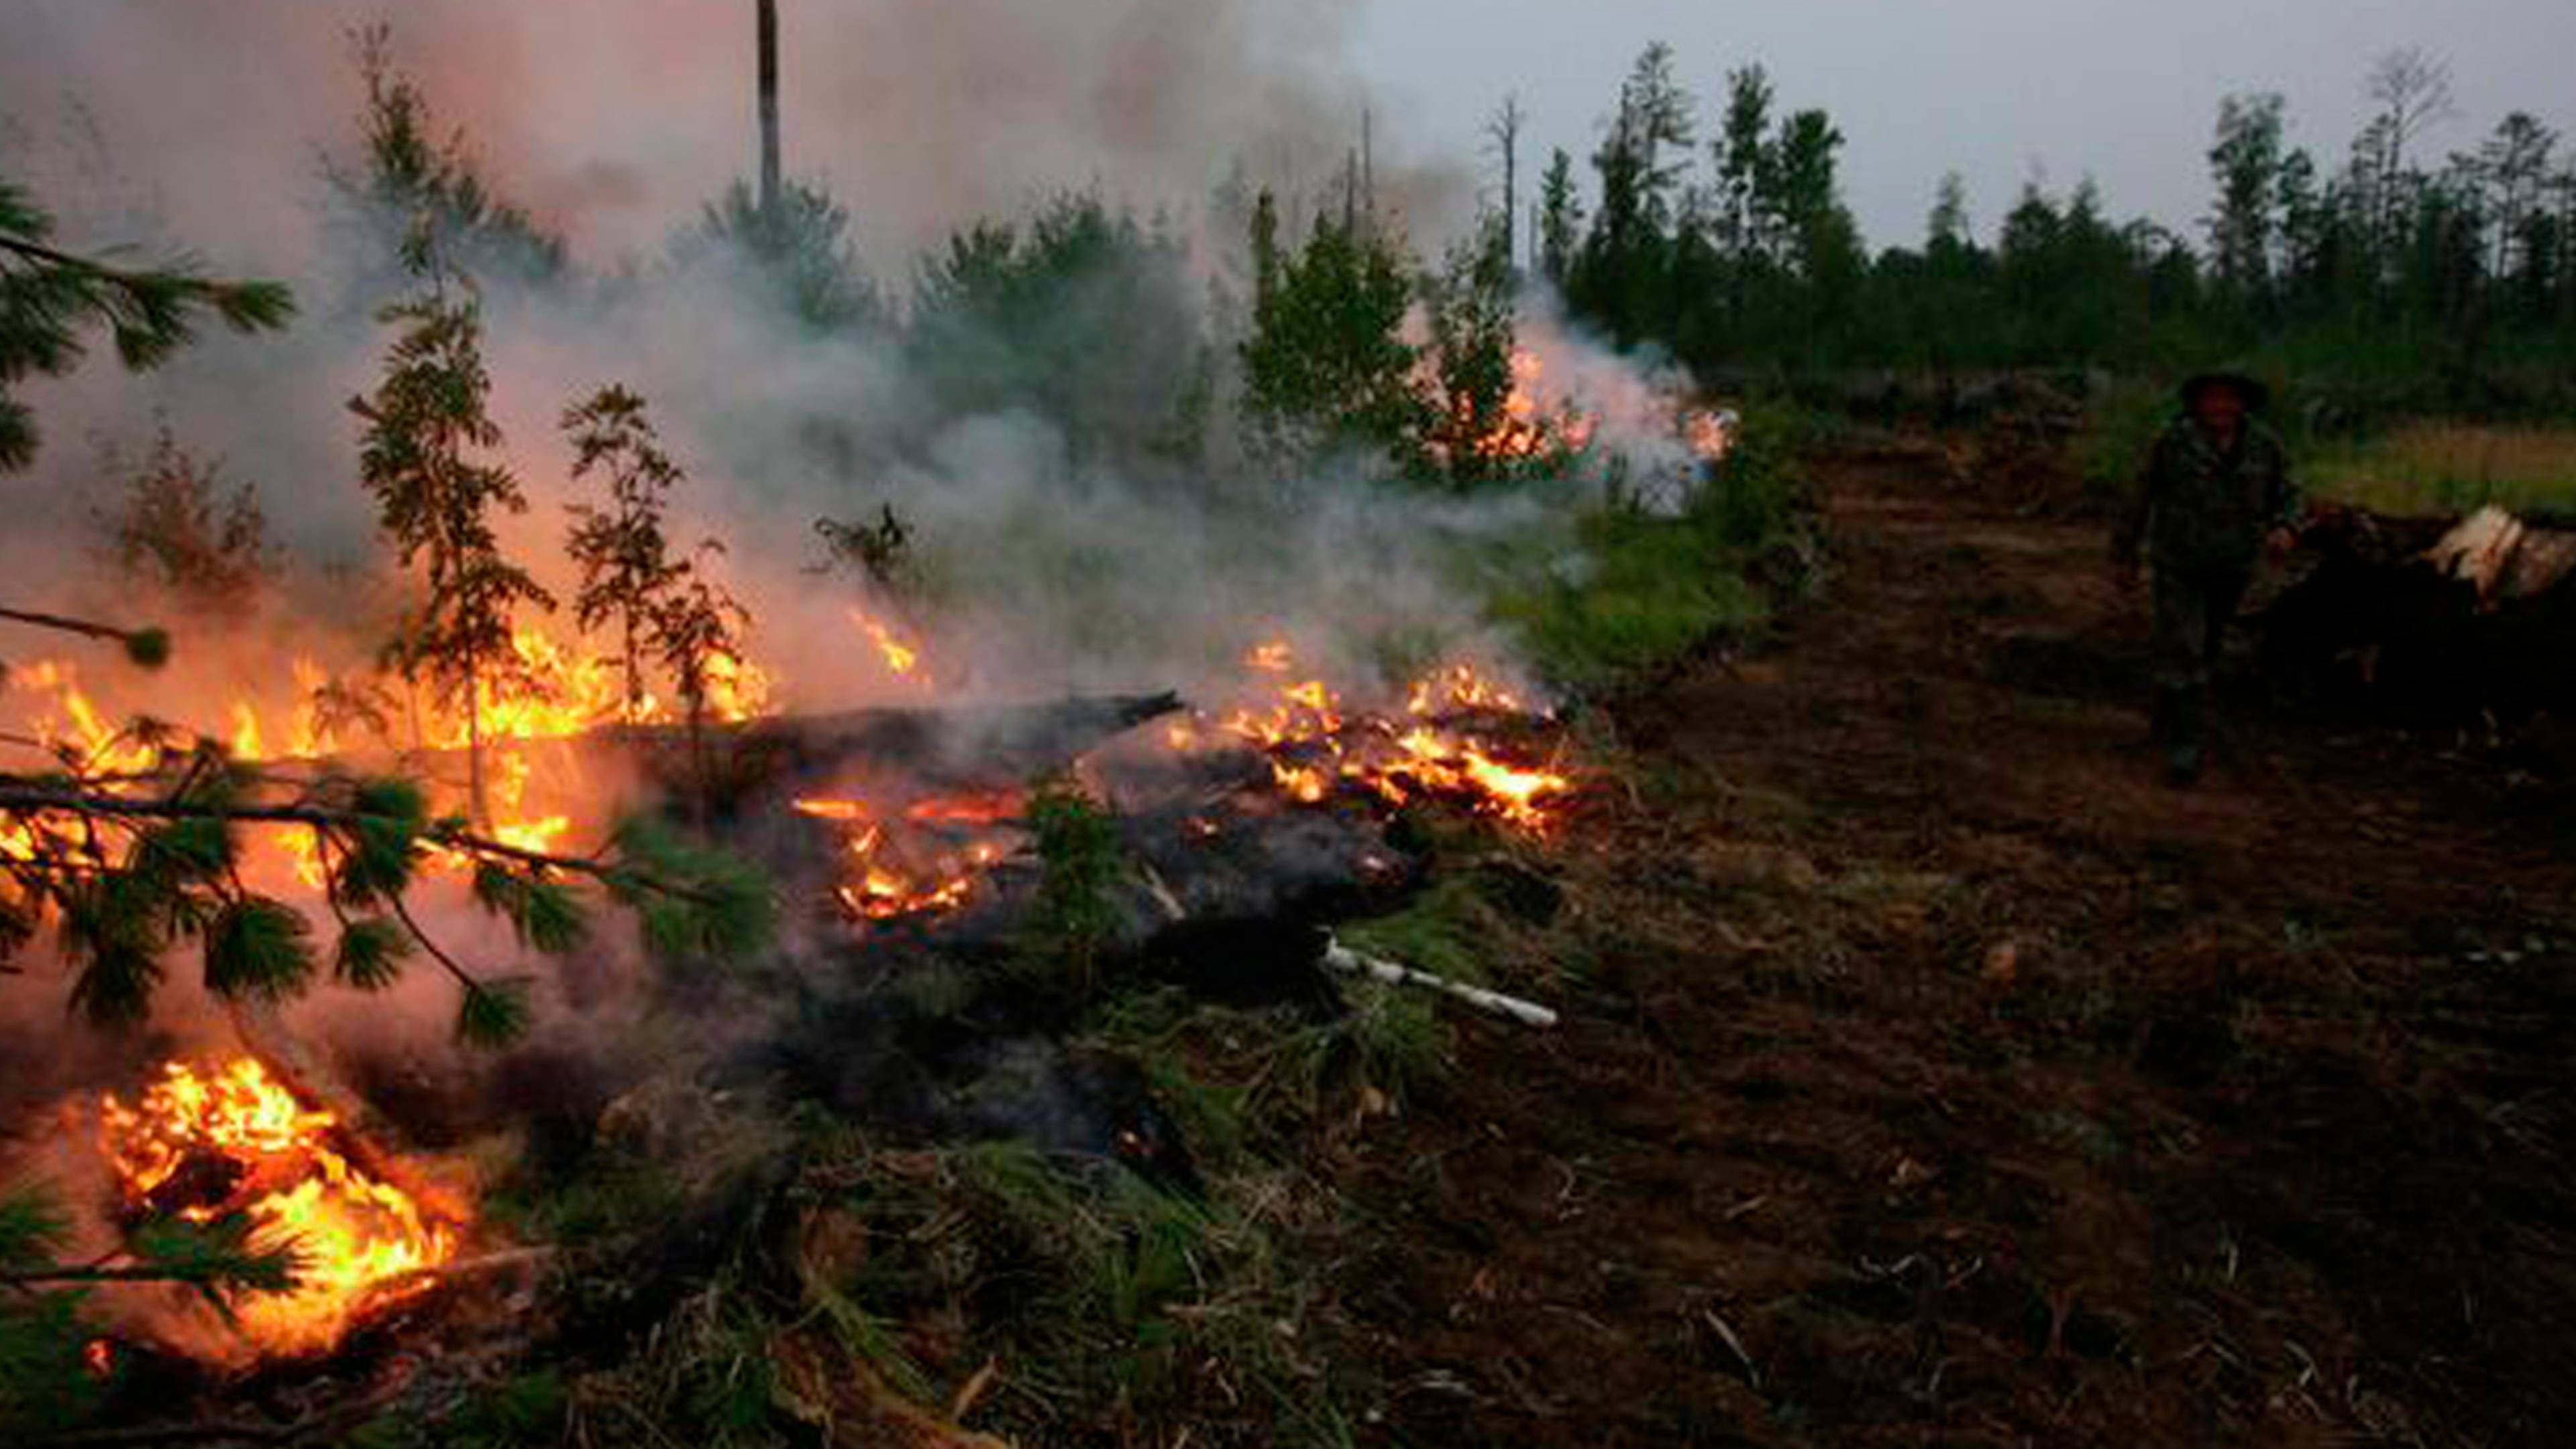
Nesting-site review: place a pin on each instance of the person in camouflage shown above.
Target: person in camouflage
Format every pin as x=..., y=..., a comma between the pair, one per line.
x=2215, y=498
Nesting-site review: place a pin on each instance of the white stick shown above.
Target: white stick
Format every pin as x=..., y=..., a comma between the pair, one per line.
x=1338, y=957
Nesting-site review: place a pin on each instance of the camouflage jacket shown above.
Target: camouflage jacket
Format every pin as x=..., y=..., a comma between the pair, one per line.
x=2201, y=506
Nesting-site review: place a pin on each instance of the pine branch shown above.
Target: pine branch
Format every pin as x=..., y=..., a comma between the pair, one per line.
x=147, y=647
x=23, y=799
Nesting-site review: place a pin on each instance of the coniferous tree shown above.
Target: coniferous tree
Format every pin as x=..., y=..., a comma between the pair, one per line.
x=408, y=181
x=1471, y=436
x=1560, y=219
x=1326, y=365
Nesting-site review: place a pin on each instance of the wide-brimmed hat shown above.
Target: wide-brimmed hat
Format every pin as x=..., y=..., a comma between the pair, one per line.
x=2257, y=396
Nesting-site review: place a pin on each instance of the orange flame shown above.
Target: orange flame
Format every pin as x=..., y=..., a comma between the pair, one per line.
x=361, y=1243
x=1312, y=742
x=902, y=659
x=881, y=879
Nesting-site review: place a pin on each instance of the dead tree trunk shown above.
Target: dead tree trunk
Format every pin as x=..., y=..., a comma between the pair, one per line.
x=769, y=109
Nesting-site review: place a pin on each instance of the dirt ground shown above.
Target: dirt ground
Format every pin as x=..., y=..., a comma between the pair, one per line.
x=1932, y=1075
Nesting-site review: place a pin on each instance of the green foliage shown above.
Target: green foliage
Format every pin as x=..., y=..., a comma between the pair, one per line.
x=544, y=913
x=1443, y=931
x=1081, y=863
x=2453, y=283
x=51, y=298
x=45, y=1384
x=880, y=553
x=801, y=253
x=371, y=954
x=413, y=187
x=147, y=648
x=2449, y=468
x=426, y=426
x=125, y=881
x=257, y=948
x=1470, y=437
x=696, y=903
x=493, y=1014
x=1079, y=315
x=1326, y=366
x=660, y=603
x=1638, y=592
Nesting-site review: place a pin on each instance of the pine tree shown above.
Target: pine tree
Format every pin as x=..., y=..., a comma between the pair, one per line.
x=1327, y=365
x=1469, y=308
x=427, y=426
x=2245, y=164
x=409, y=181
x=1560, y=219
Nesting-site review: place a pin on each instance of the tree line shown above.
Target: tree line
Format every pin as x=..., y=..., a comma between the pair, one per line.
x=2454, y=275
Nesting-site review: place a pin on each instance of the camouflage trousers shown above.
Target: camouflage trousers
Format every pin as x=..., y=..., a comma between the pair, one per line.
x=2193, y=607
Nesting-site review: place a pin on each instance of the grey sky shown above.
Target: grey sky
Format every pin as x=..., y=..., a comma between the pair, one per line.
x=2119, y=90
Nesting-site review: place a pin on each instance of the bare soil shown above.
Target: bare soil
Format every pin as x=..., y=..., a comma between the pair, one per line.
x=1933, y=1075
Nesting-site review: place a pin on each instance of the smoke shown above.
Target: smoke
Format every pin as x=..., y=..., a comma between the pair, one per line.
x=1057, y=563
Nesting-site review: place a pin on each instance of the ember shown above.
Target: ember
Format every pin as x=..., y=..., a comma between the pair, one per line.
x=209, y=1141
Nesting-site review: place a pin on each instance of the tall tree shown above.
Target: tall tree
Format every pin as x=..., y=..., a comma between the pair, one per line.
x=1948, y=230
x=766, y=22
x=2515, y=165
x=1623, y=270
x=2245, y=163
x=1744, y=163
x=1560, y=218
x=1327, y=365
x=409, y=179
x=422, y=456
x=1503, y=133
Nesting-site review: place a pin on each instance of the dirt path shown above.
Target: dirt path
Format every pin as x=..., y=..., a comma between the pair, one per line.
x=1934, y=1076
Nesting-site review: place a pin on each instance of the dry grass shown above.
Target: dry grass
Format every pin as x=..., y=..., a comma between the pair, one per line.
x=2453, y=467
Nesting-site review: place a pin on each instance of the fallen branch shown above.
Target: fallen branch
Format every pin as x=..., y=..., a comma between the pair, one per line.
x=1341, y=958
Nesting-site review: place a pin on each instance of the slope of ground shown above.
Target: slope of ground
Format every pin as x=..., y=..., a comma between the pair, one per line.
x=1932, y=1076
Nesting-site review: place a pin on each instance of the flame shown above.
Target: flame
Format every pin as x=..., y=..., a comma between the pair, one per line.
x=888, y=876
x=68, y=724
x=1312, y=742
x=902, y=659
x=1533, y=423
x=361, y=1243
x=1711, y=435
x=534, y=788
